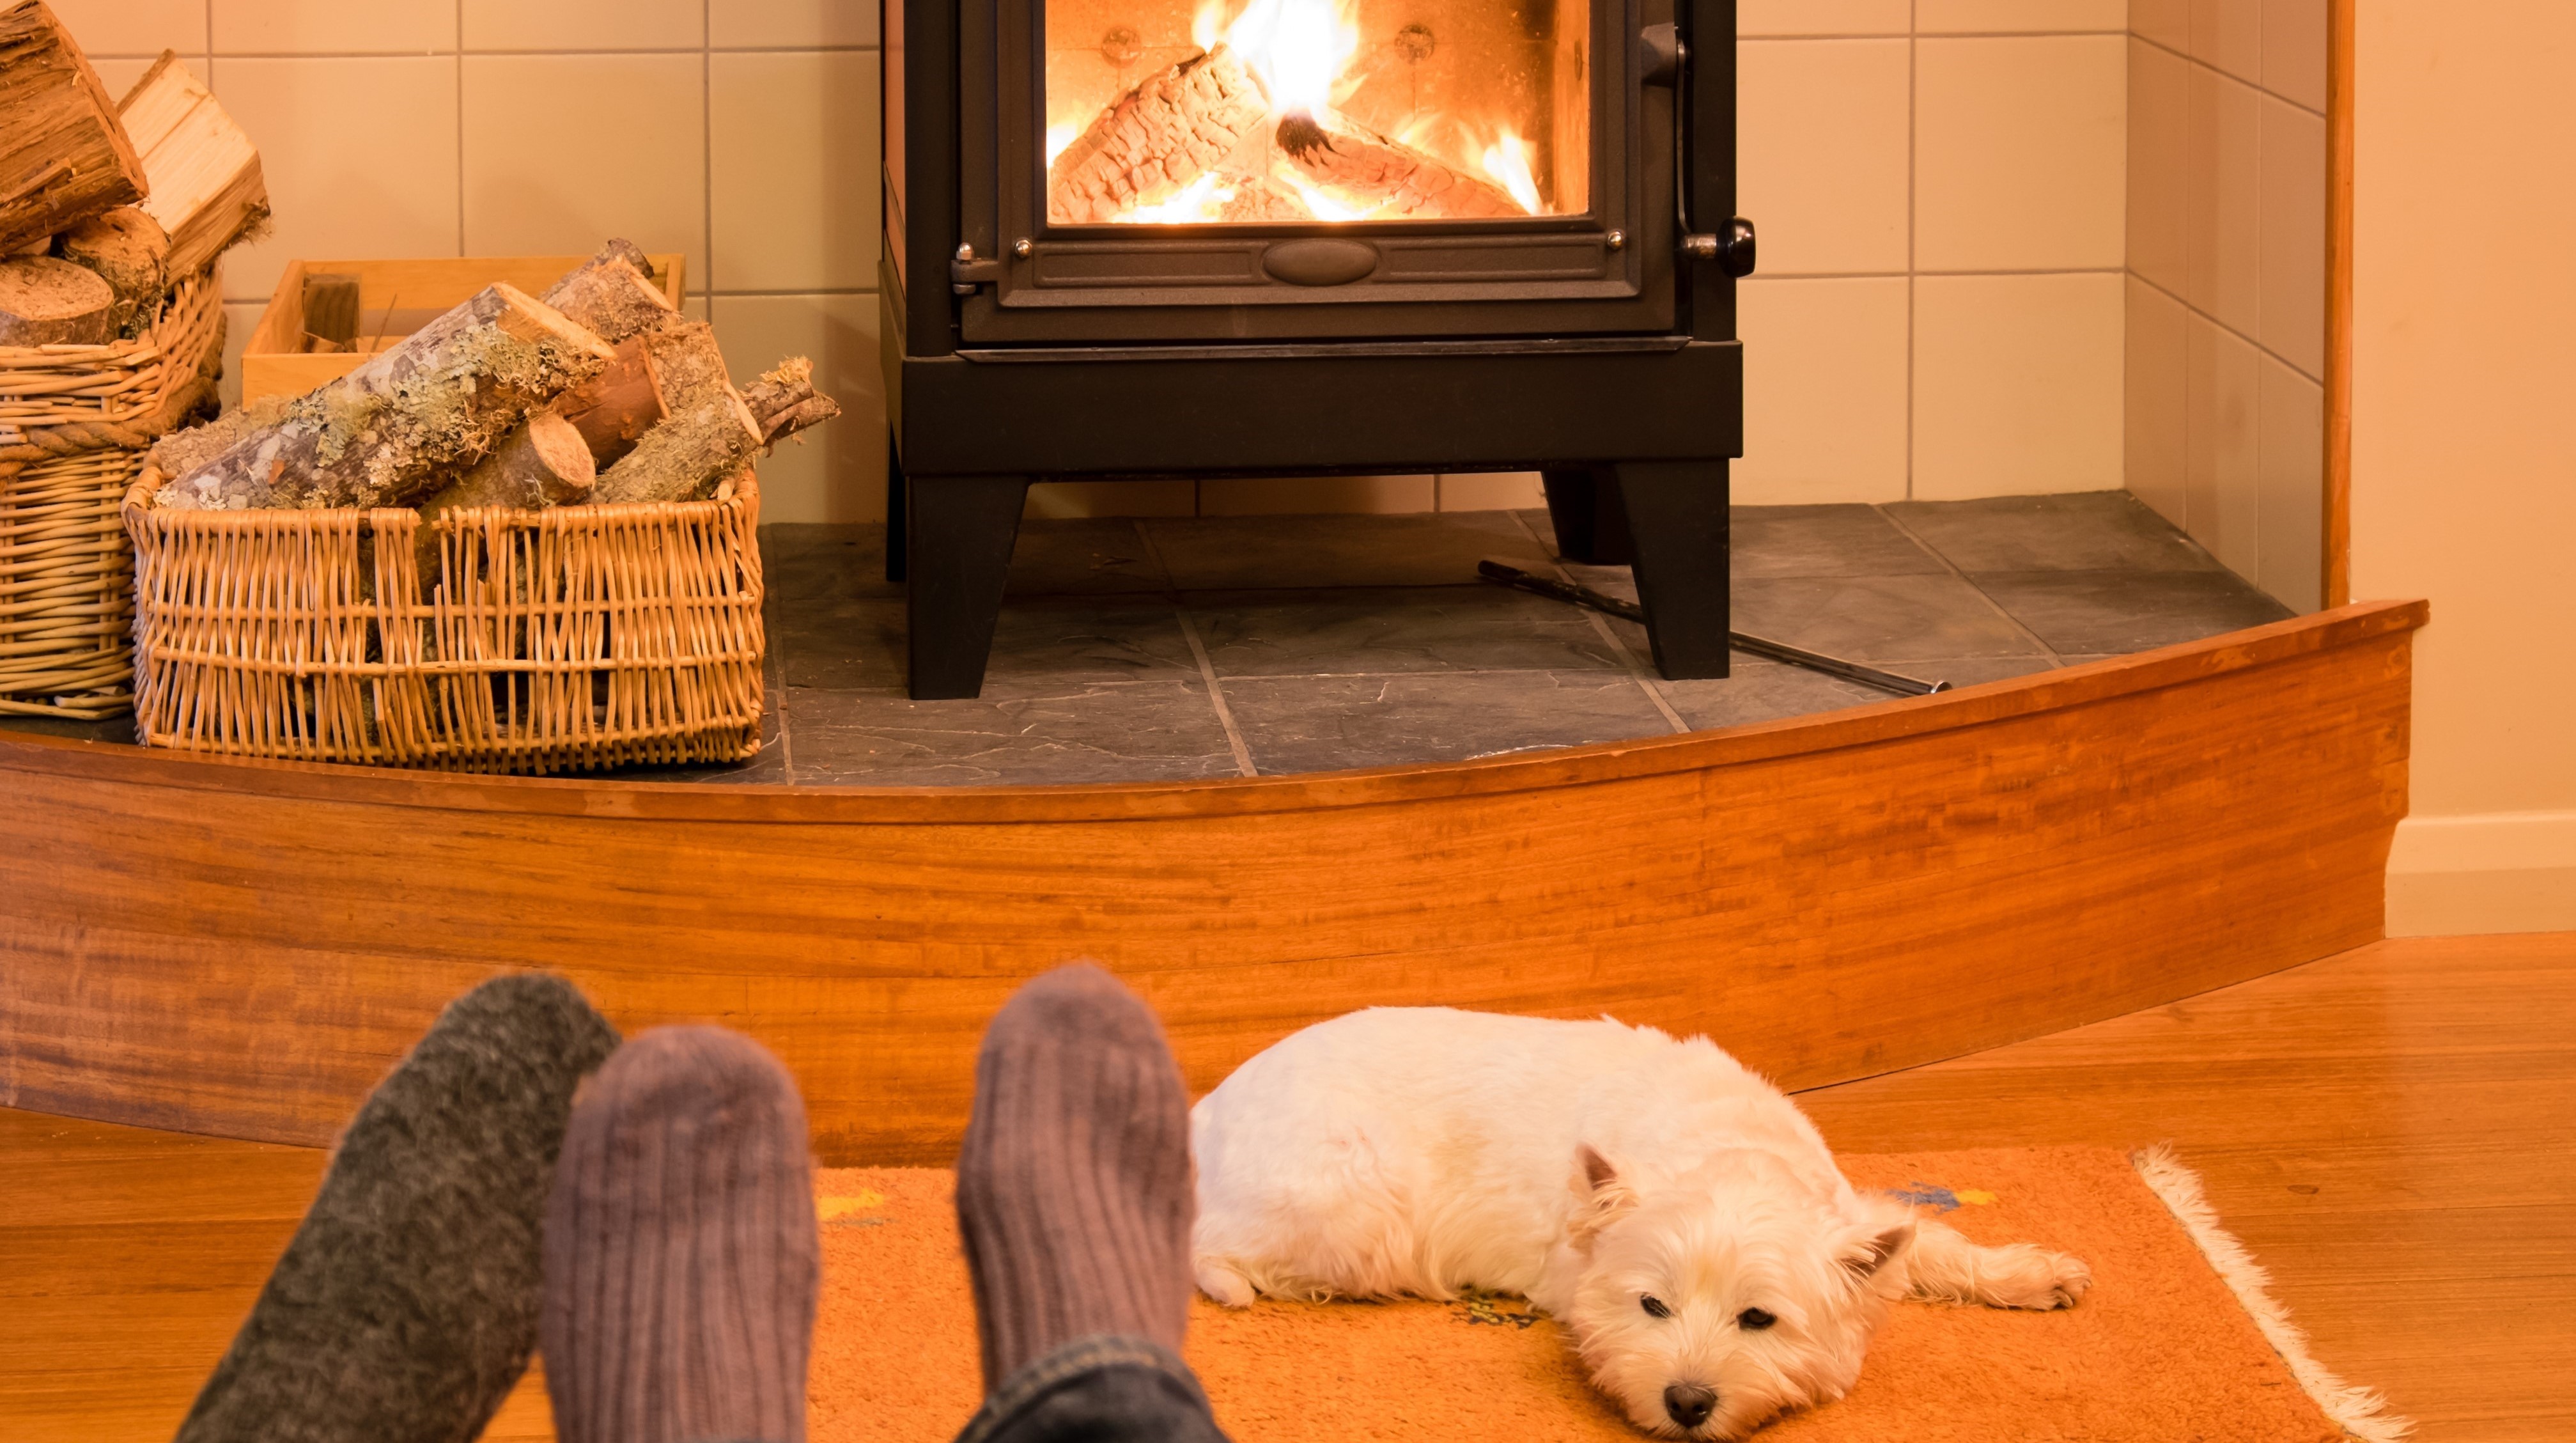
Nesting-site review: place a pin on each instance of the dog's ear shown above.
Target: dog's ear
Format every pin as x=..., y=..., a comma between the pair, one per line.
x=1872, y=1249
x=1601, y=1194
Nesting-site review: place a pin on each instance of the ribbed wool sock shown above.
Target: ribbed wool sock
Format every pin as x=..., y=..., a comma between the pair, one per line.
x=1073, y=1190
x=406, y=1306
x=681, y=1251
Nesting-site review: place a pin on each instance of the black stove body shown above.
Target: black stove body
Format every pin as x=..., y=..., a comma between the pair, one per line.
x=1586, y=331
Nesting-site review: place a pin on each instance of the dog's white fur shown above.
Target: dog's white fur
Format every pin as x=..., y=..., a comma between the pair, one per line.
x=1588, y=1166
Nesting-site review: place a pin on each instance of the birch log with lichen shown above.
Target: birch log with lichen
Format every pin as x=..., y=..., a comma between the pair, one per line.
x=708, y=436
x=388, y=432
x=543, y=463
x=785, y=402
x=611, y=296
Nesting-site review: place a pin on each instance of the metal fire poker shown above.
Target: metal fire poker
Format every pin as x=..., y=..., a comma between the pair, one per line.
x=1759, y=646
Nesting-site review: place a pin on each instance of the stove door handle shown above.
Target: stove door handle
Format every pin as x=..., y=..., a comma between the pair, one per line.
x=1662, y=57
x=1659, y=54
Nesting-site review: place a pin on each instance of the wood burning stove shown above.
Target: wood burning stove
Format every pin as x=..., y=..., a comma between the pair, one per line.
x=1139, y=238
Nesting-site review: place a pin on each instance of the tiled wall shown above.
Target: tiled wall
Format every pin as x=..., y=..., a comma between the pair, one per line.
x=1938, y=185
x=742, y=132
x=2226, y=284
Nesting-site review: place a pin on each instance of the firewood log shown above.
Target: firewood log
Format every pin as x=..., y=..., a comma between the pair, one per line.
x=181, y=452
x=46, y=302
x=127, y=249
x=610, y=295
x=543, y=463
x=785, y=402
x=710, y=432
x=383, y=434
x=1402, y=181
x=620, y=404
x=63, y=157
x=207, y=189
x=1156, y=138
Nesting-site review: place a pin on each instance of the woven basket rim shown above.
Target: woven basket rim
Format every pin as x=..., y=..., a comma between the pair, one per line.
x=739, y=489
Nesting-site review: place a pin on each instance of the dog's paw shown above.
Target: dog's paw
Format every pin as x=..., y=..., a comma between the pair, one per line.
x=1224, y=1285
x=2044, y=1280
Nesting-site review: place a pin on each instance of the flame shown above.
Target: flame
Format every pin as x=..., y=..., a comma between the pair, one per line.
x=1057, y=138
x=1295, y=47
x=1322, y=204
x=1507, y=163
x=1202, y=199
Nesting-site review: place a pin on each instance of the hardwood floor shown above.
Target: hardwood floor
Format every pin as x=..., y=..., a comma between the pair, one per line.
x=2392, y=1131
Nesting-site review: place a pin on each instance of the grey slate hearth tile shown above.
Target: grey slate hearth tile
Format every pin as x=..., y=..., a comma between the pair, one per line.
x=2084, y=531
x=1082, y=556
x=807, y=563
x=1314, y=724
x=1873, y=618
x=1118, y=732
x=2090, y=612
x=114, y=729
x=1761, y=690
x=1822, y=541
x=1393, y=629
x=1047, y=641
x=1230, y=553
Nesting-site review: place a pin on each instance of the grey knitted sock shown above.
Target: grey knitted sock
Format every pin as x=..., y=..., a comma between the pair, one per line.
x=681, y=1251
x=1073, y=1190
x=406, y=1306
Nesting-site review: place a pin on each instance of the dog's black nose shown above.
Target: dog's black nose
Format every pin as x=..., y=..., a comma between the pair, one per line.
x=1689, y=1403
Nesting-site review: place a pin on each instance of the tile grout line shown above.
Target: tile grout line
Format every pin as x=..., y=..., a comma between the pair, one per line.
x=1198, y=649
x=1913, y=109
x=2151, y=283
x=2258, y=87
x=1601, y=627
x=1928, y=549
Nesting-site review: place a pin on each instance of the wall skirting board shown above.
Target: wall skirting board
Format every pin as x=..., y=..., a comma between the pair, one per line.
x=2496, y=872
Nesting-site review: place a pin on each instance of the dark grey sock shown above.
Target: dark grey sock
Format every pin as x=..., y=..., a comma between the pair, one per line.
x=406, y=1306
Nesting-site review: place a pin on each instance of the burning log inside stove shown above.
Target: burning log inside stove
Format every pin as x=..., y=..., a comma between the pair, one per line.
x=1388, y=179
x=1158, y=138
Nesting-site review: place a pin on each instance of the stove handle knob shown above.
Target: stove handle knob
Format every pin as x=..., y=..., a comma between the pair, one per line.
x=1659, y=54
x=1738, y=251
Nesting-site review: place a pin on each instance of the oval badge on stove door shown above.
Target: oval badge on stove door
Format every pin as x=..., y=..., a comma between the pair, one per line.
x=1320, y=261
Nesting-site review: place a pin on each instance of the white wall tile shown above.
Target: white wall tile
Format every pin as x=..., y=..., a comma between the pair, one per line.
x=359, y=155
x=1493, y=491
x=2229, y=35
x=2166, y=22
x=1822, y=141
x=1824, y=390
x=2222, y=445
x=2294, y=51
x=2293, y=241
x=2157, y=400
x=134, y=27
x=2290, y=525
x=2011, y=17
x=2159, y=166
x=2019, y=146
x=795, y=175
x=640, y=171
x=2018, y=384
x=333, y=27
x=1306, y=495
x=835, y=472
x=585, y=24
x=2226, y=193
x=118, y=73
x=1824, y=17
x=790, y=24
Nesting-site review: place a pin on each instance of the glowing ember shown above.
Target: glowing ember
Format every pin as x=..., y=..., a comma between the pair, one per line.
x=1203, y=199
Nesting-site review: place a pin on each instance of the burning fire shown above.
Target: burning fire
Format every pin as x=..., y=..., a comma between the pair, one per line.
x=1297, y=47
x=1507, y=161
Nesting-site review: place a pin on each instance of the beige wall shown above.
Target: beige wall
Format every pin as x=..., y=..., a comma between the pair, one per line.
x=2226, y=286
x=2464, y=456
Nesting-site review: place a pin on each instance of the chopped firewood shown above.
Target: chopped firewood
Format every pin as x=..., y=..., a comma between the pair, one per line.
x=63, y=157
x=330, y=311
x=384, y=433
x=207, y=190
x=610, y=295
x=785, y=402
x=1256, y=199
x=1395, y=180
x=709, y=435
x=127, y=249
x=1157, y=138
x=181, y=452
x=616, y=407
x=543, y=463
x=47, y=302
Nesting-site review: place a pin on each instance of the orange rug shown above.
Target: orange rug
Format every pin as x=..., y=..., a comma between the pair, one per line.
x=2162, y=1349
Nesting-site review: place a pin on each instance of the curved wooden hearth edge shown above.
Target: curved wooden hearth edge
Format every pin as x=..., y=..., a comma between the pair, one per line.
x=242, y=948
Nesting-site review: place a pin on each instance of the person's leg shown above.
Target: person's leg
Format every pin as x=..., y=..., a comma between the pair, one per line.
x=1074, y=1199
x=681, y=1253
x=406, y=1306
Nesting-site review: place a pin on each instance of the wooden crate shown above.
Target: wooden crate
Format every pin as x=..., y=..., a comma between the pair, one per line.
x=395, y=298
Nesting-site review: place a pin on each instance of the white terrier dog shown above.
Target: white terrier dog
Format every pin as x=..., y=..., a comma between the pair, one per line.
x=1677, y=1213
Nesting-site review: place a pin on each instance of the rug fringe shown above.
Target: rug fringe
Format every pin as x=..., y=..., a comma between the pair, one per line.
x=2360, y=1412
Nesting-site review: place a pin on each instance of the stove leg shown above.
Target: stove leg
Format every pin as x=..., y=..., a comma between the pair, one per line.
x=895, y=538
x=958, y=551
x=1591, y=524
x=1679, y=513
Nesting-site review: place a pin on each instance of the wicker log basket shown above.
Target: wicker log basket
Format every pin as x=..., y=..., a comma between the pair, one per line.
x=572, y=638
x=74, y=424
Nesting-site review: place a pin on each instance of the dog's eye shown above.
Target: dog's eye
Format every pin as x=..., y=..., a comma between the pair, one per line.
x=1654, y=1306
x=1754, y=1320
